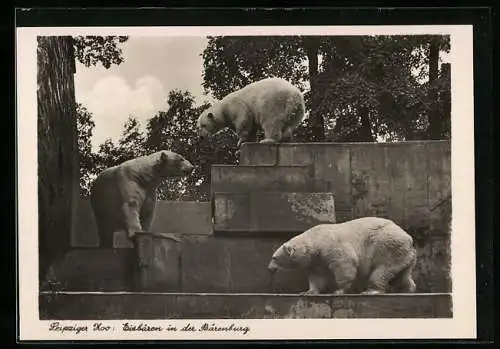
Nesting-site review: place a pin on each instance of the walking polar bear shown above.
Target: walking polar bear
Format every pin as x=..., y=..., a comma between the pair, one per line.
x=273, y=104
x=366, y=254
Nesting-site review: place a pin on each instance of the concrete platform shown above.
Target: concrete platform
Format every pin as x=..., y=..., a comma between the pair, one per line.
x=123, y=305
x=228, y=178
x=228, y=264
x=404, y=181
x=276, y=212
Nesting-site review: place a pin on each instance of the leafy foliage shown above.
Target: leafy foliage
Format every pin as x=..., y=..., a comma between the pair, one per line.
x=232, y=62
x=365, y=87
x=85, y=127
x=129, y=146
x=91, y=50
x=375, y=78
x=175, y=130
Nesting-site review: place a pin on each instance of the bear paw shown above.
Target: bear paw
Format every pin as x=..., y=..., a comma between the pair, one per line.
x=268, y=141
x=309, y=292
x=372, y=292
x=131, y=235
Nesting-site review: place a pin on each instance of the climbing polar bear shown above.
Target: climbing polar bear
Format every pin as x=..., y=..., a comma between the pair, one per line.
x=123, y=196
x=367, y=254
x=272, y=104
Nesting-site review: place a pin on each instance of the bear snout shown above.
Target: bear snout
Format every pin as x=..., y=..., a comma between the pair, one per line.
x=272, y=267
x=187, y=167
x=202, y=133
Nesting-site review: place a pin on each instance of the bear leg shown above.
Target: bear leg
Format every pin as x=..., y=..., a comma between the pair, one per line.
x=273, y=132
x=407, y=285
x=317, y=284
x=241, y=139
x=287, y=135
x=132, y=220
x=246, y=135
x=147, y=212
x=105, y=236
x=244, y=129
x=345, y=274
x=404, y=281
x=379, y=279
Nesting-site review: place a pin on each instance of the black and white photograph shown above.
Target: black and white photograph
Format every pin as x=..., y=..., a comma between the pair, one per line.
x=207, y=182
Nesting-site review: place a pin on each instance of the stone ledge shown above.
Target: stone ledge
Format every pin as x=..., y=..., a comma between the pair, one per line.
x=125, y=305
x=254, y=212
x=282, y=153
x=228, y=178
x=171, y=217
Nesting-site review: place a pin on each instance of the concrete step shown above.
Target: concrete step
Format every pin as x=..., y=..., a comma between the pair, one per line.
x=302, y=154
x=228, y=178
x=271, y=212
x=403, y=181
x=137, y=306
x=171, y=217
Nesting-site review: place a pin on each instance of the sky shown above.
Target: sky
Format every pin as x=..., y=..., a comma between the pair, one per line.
x=139, y=86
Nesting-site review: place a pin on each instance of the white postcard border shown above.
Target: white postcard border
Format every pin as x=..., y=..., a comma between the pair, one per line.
x=463, y=323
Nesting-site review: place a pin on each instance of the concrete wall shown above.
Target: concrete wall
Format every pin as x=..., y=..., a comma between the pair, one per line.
x=271, y=212
x=171, y=217
x=138, y=306
x=227, y=264
x=406, y=182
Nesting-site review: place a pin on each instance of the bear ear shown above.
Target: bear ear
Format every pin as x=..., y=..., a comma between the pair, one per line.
x=163, y=157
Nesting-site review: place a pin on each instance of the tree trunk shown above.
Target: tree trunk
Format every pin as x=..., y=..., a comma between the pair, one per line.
x=365, y=131
x=316, y=122
x=445, y=101
x=434, y=130
x=58, y=165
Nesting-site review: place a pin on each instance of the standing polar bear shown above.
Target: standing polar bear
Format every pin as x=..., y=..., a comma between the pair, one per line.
x=273, y=104
x=366, y=254
x=122, y=196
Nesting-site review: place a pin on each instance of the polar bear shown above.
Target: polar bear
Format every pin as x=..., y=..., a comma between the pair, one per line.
x=367, y=254
x=273, y=104
x=123, y=196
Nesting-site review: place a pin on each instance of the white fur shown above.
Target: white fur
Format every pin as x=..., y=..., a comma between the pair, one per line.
x=367, y=252
x=122, y=196
x=274, y=104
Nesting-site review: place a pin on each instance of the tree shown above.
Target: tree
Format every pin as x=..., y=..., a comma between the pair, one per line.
x=130, y=145
x=85, y=127
x=91, y=50
x=232, y=62
x=434, y=45
x=60, y=137
x=312, y=47
x=368, y=87
x=176, y=130
x=361, y=88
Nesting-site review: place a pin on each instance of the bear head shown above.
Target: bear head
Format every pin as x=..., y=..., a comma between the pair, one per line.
x=209, y=123
x=290, y=256
x=171, y=164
